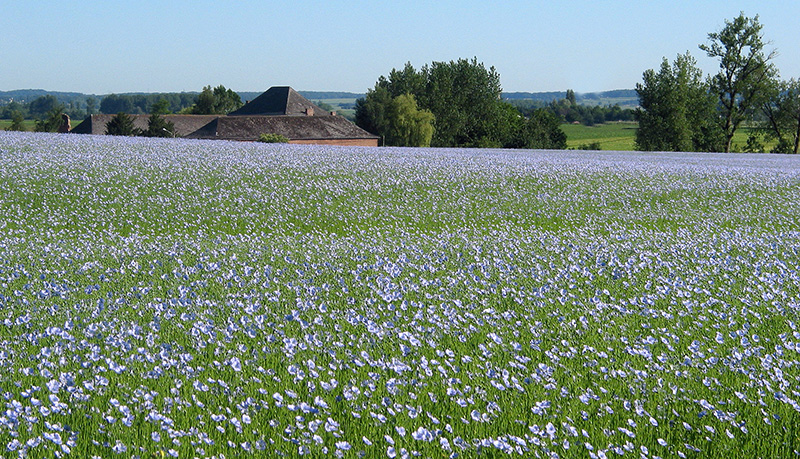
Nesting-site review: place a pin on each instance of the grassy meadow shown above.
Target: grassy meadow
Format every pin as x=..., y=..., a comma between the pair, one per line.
x=29, y=125
x=610, y=136
x=178, y=298
x=620, y=136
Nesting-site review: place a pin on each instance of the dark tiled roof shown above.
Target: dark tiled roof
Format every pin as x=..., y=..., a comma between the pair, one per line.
x=293, y=127
x=279, y=100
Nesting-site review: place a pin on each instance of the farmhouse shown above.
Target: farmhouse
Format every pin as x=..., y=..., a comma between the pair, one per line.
x=280, y=110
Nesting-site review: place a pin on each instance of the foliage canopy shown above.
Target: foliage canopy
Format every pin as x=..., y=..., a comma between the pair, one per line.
x=461, y=99
x=121, y=124
x=217, y=101
x=677, y=111
x=745, y=73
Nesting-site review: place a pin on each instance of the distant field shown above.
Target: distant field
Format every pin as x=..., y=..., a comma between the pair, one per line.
x=343, y=107
x=610, y=136
x=620, y=136
x=29, y=124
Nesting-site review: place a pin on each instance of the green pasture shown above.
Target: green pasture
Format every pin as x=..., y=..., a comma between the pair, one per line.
x=610, y=136
x=620, y=136
x=28, y=124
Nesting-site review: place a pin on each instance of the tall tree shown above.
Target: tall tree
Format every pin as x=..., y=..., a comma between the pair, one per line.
x=406, y=81
x=9, y=110
x=91, y=105
x=116, y=103
x=676, y=110
x=51, y=121
x=571, y=97
x=372, y=110
x=745, y=71
x=543, y=131
x=782, y=111
x=464, y=96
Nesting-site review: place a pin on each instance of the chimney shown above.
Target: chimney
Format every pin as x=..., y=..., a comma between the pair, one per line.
x=65, y=126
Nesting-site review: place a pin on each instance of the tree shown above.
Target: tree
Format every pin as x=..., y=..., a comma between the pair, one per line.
x=217, y=101
x=161, y=107
x=158, y=126
x=782, y=112
x=43, y=105
x=676, y=110
x=91, y=105
x=571, y=97
x=408, y=125
x=16, y=121
x=745, y=71
x=10, y=109
x=543, y=131
x=371, y=110
x=114, y=103
x=121, y=124
x=51, y=121
x=463, y=97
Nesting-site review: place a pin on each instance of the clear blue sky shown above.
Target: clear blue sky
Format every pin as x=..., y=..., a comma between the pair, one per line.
x=153, y=46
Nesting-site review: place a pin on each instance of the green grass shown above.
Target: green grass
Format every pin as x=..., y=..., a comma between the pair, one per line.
x=620, y=136
x=29, y=125
x=349, y=113
x=610, y=136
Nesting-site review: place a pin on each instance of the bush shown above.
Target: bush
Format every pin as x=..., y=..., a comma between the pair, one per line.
x=17, y=119
x=590, y=146
x=273, y=138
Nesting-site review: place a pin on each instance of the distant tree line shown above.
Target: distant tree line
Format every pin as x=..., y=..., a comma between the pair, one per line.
x=568, y=110
x=47, y=109
x=681, y=110
x=210, y=101
x=452, y=104
x=137, y=104
x=216, y=101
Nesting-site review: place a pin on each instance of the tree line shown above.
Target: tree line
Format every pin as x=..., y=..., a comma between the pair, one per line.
x=47, y=110
x=458, y=104
x=569, y=110
x=681, y=110
x=216, y=101
x=452, y=104
x=210, y=101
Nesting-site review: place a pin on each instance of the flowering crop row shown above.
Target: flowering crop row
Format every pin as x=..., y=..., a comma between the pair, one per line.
x=214, y=299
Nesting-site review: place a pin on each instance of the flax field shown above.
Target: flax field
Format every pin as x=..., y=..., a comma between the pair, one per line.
x=198, y=299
